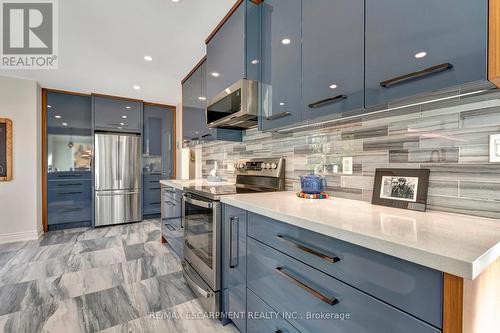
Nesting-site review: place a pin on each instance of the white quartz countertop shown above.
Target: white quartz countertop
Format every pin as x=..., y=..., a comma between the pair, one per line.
x=456, y=244
x=181, y=183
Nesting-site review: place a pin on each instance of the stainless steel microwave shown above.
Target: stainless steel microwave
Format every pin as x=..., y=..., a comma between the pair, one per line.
x=235, y=107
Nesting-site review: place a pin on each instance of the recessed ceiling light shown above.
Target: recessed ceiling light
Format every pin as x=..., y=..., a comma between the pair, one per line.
x=255, y=62
x=124, y=117
x=136, y=87
x=148, y=58
x=333, y=86
x=282, y=103
x=49, y=106
x=64, y=124
x=285, y=41
x=122, y=124
x=57, y=117
x=128, y=107
x=202, y=98
x=176, y=0
x=420, y=54
x=215, y=74
x=120, y=127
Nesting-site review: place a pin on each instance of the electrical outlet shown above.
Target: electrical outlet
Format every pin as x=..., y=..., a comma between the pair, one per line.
x=347, y=165
x=335, y=168
x=495, y=148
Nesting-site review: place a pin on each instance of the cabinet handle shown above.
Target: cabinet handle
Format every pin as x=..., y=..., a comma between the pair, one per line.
x=278, y=115
x=69, y=193
x=233, y=220
x=70, y=210
x=154, y=203
x=206, y=136
x=330, y=301
x=169, y=203
x=326, y=101
x=70, y=184
x=417, y=75
x=331, y=259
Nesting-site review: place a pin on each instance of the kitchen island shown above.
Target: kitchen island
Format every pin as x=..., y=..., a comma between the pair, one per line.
x=454, y=256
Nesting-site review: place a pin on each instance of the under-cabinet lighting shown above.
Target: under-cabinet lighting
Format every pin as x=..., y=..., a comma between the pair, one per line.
x=285, y=41
x=420, y=54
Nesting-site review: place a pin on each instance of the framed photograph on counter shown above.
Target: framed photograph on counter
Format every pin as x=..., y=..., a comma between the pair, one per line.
x=5, y=149
x=401, y=188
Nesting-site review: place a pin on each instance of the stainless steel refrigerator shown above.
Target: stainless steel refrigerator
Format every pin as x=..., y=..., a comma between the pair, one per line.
x=117, y=176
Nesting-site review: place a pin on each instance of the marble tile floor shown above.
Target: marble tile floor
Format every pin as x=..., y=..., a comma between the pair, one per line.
x=112, y=279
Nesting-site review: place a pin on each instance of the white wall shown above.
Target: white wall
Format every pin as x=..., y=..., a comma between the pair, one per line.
x=20, y=199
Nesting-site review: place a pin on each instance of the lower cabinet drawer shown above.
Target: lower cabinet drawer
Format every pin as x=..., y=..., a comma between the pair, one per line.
x=262, y=318
x=317, y=302
x=410, y=287
x=69, y=214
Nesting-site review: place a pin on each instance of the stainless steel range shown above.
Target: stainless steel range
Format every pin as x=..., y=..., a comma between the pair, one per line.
x=202, y=220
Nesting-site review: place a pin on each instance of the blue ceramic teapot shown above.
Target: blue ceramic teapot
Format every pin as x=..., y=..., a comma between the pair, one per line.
x=312, y=184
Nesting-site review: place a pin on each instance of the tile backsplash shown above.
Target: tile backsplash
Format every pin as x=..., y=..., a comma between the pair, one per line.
x=448, y=137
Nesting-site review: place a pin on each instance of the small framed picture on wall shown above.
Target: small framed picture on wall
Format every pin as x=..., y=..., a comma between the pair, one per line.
x=5, y=149
x=401, y=188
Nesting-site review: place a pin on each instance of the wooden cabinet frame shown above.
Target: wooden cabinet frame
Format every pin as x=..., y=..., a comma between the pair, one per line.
x=494, y=42
x=8, y=148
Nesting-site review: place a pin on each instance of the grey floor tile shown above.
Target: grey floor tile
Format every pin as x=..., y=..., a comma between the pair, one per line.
x=6, y=256
x=148, y=267
x=137, y=251
x=110, y=307
x=14, y=297
x=42, y=253
x=95, y=259
x=58, y=238
x=91, y=245
x=14, y=246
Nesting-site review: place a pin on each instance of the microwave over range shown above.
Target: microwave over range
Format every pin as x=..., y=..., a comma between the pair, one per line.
x=235, y=107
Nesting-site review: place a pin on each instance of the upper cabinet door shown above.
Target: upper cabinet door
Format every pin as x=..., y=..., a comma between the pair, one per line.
x=117, y=114
x=414, y=47
x=332, y=56
x=226, y=54
x=281, y=63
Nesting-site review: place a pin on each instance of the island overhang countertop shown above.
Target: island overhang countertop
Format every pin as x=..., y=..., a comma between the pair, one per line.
x=460, y=245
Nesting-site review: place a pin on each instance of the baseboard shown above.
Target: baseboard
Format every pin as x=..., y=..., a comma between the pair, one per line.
x=18, y=236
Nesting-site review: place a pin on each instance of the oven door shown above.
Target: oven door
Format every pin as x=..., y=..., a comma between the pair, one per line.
x=201, y=220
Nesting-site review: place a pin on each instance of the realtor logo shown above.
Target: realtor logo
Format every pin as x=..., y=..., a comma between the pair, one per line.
x=29, y=34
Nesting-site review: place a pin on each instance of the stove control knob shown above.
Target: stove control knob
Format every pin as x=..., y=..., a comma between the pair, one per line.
x=263, y=166
x=242, y=166
x=268, y=166
x=274, y=166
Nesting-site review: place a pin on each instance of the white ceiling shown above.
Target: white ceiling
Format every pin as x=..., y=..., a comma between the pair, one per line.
x=102, y=44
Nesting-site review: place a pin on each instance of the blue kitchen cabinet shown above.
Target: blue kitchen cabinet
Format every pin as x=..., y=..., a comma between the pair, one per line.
x=69, y=160
x=117, y=114
x=194, y=120
x=234, y=264
x=414, y=47
x=151, y=194
x=281, y=62
x=332, y=57
x=158, y=139
x=233, y=51
x=290, y=286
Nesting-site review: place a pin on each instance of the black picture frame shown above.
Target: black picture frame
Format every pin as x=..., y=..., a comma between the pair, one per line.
x=402, y=195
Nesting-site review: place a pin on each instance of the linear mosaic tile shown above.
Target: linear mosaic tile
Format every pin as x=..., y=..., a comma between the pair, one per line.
x=449, y=137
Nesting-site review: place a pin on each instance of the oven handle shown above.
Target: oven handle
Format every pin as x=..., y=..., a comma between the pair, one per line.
x=202, y=292
x=197, y=202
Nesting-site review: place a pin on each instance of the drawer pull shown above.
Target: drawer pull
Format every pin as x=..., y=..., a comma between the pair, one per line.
x=329, y=301
x=417, y=75
x=306, y=249
x=233, y=246
x=70, y=184
x=69, y=193
x=278, y=115
x=70, y=210
x=326, y=101
x=154, y=203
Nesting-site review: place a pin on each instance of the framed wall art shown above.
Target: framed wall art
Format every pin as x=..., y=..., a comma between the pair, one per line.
x=401, y=188
x=5, y=149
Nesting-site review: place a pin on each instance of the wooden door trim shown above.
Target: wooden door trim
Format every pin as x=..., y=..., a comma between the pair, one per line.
x=494, y=42
x=9, y=149
x=45, y=176
x=59, y=91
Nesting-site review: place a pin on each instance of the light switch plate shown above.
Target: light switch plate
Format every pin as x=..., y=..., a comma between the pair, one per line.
x=347, y=165
x=495, y=148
